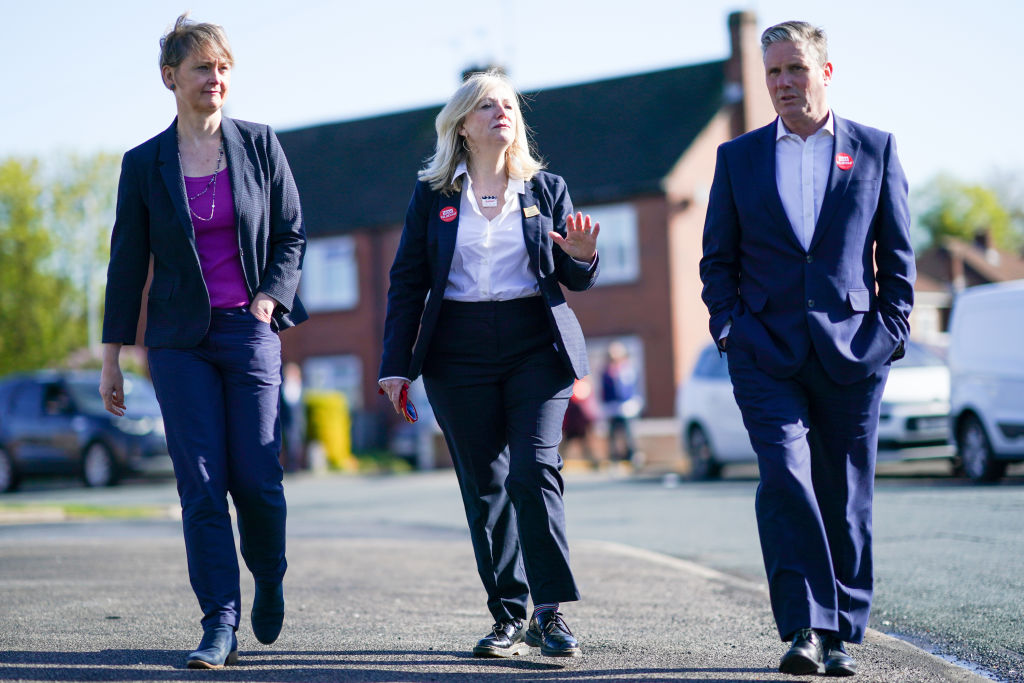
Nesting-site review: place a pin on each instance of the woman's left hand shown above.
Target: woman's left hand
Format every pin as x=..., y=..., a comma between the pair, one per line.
x=262, y=307
x=580, y=241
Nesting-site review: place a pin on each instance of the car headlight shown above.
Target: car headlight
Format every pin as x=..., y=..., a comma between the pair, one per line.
x=136, y=427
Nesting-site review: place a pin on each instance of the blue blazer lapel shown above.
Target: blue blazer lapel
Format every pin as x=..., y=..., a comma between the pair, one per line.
x=243, y=186
x=531, y=225
x=240, y=170
x=446, y=232
x=763, y=162
x=170, y=171
x=845, y=142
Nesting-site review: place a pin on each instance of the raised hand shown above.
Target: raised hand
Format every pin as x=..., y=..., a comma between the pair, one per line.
x=580, y=239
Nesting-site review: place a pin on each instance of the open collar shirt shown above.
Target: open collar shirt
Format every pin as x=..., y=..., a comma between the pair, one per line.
x=490, y=262
x=801, y=174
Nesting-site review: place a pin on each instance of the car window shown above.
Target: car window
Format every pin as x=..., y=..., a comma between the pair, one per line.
x=138, y=396
x=711, y=364
x=56, y=400
x=919, y=356
x=27, y=400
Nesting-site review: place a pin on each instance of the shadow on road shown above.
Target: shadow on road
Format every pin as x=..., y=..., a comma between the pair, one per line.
x=349, y=665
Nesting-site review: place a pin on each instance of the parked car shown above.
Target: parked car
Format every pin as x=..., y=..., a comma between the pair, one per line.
x=54, y=423
x=914, y=420
x=986, y=360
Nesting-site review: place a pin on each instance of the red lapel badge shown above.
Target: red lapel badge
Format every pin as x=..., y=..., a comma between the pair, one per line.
x=844, y=161
x=449, y=213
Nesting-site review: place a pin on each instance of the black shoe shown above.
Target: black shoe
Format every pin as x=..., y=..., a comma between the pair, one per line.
x=217, y=648
x=268, y=612
x=551, y=634
x=504, y=640
x=837, y=661
x=805, y=656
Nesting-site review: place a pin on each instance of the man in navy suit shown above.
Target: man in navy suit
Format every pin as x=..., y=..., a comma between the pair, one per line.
x=808, y=276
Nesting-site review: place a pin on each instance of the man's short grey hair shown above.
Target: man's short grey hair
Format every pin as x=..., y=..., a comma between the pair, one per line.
x=799, y=33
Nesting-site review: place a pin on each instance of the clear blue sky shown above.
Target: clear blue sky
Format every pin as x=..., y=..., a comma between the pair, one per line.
x=944, y=76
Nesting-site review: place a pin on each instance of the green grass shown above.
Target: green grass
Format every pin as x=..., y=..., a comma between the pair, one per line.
x=77, y=511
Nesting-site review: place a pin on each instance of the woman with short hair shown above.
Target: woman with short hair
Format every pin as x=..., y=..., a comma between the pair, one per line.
x=476, y=305
x=212, y=204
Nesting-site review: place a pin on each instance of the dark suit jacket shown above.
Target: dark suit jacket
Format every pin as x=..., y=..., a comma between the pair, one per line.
x=153, y=219
x=849, y=295
x=424, y=259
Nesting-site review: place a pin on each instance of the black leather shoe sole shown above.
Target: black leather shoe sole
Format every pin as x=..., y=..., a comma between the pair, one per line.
x=840, y=669
x=798, y=665
x=231, y=660
x=534, y=641
x=493, y=651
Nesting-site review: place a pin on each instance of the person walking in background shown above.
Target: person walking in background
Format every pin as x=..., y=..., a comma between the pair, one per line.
x=211, y=201
x=808, y=276
x=476, y=304
x=293, y=418
x=580, y=415
x=620, y=401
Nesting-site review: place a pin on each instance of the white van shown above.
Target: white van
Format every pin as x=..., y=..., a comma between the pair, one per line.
x=986, y=363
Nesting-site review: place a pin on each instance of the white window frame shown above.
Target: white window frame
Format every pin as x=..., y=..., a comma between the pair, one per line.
x=330, y=274
x=618, y=244
x=342, y=372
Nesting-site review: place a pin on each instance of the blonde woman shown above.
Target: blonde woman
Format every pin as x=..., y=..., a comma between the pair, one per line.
x=211, y=202
x=476, y=306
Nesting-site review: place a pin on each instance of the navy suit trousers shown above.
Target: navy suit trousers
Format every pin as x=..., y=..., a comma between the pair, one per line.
x=499, y=391
x=816, y=442
x=220, y=407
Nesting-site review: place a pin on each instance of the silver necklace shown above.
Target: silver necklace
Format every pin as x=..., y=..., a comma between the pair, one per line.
x=212, y=183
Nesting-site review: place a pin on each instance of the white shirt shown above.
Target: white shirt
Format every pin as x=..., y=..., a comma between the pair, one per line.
x=490, y=262
x=801, y=174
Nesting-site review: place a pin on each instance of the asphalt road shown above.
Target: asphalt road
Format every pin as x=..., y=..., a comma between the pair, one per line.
x=948, y=555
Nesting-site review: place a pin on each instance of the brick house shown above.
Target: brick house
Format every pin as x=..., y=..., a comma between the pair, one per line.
x=637, y=152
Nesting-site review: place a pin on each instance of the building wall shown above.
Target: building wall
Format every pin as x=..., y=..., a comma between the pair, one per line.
x=639, y=308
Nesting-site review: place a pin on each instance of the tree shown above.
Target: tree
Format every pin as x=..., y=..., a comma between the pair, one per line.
x=952, y=208
x=82, y=194
x=40, y=309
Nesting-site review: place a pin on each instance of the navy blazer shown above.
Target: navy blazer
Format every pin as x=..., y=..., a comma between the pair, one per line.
x=419, y=274
x=849, y=295
x=153, y=219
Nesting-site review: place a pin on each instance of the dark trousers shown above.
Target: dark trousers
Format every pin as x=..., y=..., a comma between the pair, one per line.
x=816, y=442
x=499, y=392
x=219, y=402
x=620, y=438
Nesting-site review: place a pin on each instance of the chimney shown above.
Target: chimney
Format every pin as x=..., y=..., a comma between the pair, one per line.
x=744, y=75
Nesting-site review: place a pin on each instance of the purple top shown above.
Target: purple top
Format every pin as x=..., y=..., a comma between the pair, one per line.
x=217, y=241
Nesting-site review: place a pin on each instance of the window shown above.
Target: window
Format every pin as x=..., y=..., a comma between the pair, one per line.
x=330, y=274
x=620, y=260
x=342, y=373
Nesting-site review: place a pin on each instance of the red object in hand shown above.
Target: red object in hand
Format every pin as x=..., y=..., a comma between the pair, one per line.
x=408, y=409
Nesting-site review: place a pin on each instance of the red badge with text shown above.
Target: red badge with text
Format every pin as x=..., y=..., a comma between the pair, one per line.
x=844, y=161
x=450, y=213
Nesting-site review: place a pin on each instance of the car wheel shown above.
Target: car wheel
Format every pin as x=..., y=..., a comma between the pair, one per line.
x=975, y=452
x=702, y=459
x=98, y=466
x=9, y=479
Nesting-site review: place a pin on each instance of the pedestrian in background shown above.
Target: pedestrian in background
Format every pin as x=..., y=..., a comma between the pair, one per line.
x=620, y=401
x=212, y=203
x=491, y=238
x=808, y=276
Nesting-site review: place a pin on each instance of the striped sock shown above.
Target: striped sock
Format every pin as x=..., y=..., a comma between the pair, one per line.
x=545, y=607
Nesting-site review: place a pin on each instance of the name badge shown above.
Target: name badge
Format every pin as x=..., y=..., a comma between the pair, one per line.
x=531, y=211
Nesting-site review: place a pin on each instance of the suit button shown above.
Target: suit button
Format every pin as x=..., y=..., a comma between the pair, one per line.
x=810, y=303
x=810, y=259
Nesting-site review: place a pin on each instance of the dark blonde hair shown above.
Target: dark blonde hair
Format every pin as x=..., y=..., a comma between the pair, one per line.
x=192, y=37
x=450, y=152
